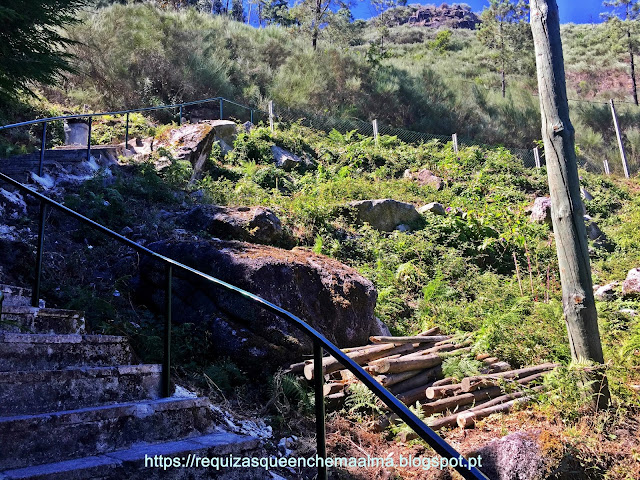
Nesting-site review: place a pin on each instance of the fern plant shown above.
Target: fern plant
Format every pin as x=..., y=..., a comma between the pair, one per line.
x=460, y=367
x=361, y=399
x=287, y=392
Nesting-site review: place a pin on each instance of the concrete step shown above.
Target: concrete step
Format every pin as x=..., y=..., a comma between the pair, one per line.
x=17, y=296
x=130, y=463
x=36, y=439
x=25, y=319
x=76, y=387
x=24, y=351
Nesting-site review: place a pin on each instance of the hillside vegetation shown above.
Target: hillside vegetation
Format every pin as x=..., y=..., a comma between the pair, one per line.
x=435, y=81
x=483, y=268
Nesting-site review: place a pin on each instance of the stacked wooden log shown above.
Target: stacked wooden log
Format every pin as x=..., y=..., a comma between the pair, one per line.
x=411, y=369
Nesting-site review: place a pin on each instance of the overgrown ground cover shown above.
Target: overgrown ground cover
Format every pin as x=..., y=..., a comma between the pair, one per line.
x=457, y=271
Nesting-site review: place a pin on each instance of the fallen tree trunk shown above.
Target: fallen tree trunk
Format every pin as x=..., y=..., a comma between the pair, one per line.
x=423, y=378
x=452, y=403
x=394, y=378
x=331, y=388
x=414, y=339
x=444, y=381
x=496, y=367
x=436, y=392
x=431, y=331
x=330, y=364
x=505, y=398
x=412, y=396
x=399, y=365
x=410, y=362
x=475, y=383
x=469, y=419
x=445, y=347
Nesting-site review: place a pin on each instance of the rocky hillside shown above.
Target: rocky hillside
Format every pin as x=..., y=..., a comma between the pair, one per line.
x=444, y=16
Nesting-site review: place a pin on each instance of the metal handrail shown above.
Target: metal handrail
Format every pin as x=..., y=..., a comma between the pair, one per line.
x=122, y=112
x=319, y=341
x=89, y=116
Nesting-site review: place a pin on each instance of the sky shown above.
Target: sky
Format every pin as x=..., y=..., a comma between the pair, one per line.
x=576, y=11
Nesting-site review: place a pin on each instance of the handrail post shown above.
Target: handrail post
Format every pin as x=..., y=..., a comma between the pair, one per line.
x=251, y=116
x=166, y=358
x=320, y=416
x=42, y=149
x=126, y=133
x=89, y=141
x=35, y=293
x=221, y=114
x=180, y=120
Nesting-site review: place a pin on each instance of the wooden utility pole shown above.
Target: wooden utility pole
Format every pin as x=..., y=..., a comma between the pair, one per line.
x=567, y=211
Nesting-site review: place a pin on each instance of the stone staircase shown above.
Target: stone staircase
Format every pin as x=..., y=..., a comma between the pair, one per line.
x=78, y=406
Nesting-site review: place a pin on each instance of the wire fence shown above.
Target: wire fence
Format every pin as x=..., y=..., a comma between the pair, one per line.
x=116, y=127
x=343, y=125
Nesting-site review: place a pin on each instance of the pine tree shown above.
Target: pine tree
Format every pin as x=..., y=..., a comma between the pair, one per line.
x=237, y=10
x=506, y=32
x=623, y=29
x=32, y=43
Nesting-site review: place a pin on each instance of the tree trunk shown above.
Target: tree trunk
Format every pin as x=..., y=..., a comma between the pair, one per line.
x=634, y=87
x=566, y=205
x=504, y=81
x=316, y=25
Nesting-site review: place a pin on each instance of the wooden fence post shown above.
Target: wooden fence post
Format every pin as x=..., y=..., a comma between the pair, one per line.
x=271, y=124
x=536, y=155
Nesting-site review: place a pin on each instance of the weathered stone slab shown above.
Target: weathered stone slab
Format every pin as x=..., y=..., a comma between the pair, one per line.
x=50, y=390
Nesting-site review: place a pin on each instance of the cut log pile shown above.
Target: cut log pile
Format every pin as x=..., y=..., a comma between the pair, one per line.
x=411, y=369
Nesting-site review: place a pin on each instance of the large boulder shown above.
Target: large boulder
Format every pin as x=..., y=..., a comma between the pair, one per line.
x=541, y=210
x=385, y=214
x=226, y=132
x=252, y=224
x=600, y=240
x=606, y=293
x=433, y=208
x=425, y=177
x=330, y=296
x=191, y=142
x=631, y=285
x=288, y=161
